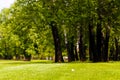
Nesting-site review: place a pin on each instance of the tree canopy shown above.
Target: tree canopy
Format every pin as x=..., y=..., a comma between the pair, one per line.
x=78, y=29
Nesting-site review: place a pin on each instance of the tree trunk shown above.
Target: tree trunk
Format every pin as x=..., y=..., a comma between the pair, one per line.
x=117, y=49
x=57, y=43
x=76, y=54
x=92, y=52
x=70, y=51
x=99, y=31
x=99, y=41
x=106, y=43
x=112, y=51
x=81, y=47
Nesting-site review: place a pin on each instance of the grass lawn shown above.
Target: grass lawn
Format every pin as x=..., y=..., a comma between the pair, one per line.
x=42, y=70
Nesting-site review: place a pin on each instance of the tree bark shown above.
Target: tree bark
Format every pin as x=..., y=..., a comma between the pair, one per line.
x=76, y=54
x=92, y=52
x=117, y=49
x=81, y=47
x=99, y=40
x=112, y=51
x=57, y=42
x=106, y=44
x=70, y=51
x=99, y=32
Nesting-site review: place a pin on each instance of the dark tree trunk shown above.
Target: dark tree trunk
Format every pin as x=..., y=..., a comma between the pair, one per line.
x=112, y=51
x=99, y=41
x=57, y=43
x=76, y=54
x=92, y=52
x=70, y=51
x=99, y=44
x=106, y=43
x=117, y=49
x=81, y=47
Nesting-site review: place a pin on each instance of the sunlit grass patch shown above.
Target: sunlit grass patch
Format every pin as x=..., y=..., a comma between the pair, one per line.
x=41, y=70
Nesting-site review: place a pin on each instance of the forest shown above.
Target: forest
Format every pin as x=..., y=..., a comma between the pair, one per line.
x=79, y=30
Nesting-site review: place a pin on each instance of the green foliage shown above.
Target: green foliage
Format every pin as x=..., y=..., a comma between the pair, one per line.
x=26, y=24
x=23, y=29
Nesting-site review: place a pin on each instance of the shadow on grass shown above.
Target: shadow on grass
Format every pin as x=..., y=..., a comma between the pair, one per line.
x=46, y=62
x=26, y=62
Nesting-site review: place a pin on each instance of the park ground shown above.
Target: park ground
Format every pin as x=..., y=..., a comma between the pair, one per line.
x=47, y=70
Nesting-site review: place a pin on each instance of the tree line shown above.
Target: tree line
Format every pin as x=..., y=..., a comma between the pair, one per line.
x=79, y=29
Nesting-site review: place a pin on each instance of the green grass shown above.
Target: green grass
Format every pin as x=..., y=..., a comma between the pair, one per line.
x=44, y=70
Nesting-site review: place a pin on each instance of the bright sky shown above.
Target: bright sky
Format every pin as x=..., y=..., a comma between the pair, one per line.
x=5, y=3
